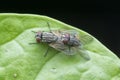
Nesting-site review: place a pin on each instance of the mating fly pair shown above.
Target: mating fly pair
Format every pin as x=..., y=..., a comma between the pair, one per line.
x=65, y=41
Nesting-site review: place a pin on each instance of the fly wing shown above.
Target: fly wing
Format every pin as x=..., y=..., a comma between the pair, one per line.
x=86, y=39
x=71, y=32
x=56, y=32
x=59, y=45
x=84, y=54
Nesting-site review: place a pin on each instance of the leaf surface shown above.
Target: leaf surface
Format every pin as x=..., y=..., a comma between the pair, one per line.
x=21, y=61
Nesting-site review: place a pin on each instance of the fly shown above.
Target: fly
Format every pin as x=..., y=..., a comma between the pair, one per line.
x=69, y=43
x=45, y=37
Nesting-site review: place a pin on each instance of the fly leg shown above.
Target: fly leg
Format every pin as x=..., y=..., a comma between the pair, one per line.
x=46, y=51
x=33, y=43
x=49, y=27
x=69, y=48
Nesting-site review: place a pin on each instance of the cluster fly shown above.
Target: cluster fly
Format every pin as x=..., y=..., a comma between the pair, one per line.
x=45, y=37
x=67, y=41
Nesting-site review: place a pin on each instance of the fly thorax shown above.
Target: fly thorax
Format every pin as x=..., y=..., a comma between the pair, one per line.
x=48, y=37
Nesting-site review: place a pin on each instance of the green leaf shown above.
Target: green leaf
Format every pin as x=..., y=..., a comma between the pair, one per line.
x=21, y=61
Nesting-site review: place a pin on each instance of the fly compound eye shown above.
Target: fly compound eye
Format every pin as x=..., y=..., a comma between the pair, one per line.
x=38, y=39
x=65, y=38
x=65, y=41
